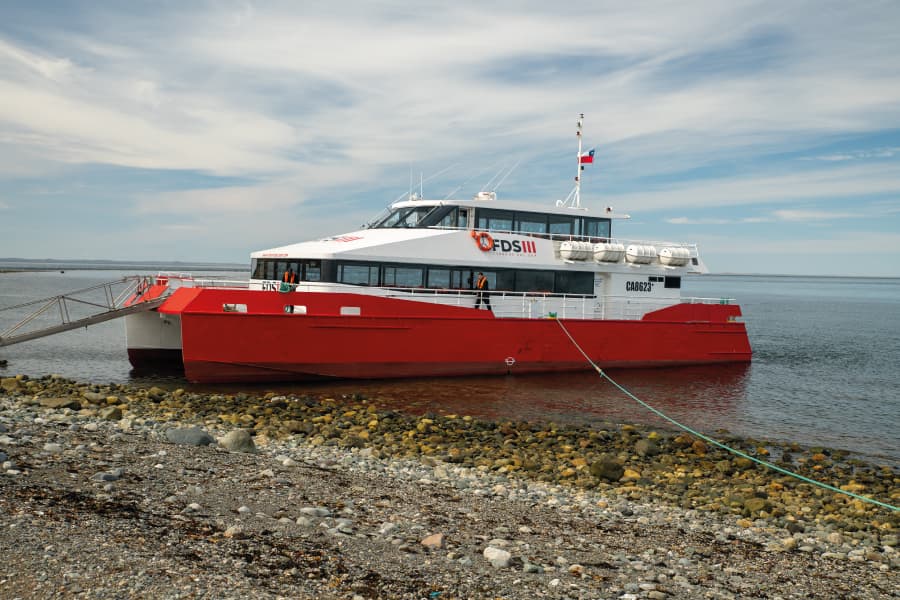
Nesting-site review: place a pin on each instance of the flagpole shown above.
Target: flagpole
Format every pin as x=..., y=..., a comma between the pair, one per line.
x=578, y=164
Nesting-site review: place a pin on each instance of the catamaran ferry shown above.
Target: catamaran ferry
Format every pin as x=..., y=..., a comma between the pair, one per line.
x=441, y=288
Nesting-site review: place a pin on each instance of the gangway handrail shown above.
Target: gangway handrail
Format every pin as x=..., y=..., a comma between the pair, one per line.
x=114, y=307
x=135, y=278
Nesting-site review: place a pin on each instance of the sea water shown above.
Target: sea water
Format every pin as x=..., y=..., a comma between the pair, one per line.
x=825, y=370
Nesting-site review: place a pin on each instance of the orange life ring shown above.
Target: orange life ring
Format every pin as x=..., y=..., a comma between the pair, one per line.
x=484, y=240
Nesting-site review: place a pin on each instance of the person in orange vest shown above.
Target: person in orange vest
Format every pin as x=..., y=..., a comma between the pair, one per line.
x=481, y=284
x=289, y=276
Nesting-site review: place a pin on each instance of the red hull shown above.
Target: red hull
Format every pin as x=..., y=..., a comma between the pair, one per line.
x=400, y=338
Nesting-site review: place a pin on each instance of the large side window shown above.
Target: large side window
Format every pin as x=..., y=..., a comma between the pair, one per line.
x=534, y=281
x=312, y=270
x=358, y=274
x=568, y=282
x=403, y=276
x=439, y=278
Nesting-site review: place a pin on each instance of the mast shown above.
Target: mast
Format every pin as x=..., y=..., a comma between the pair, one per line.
x=577, y=199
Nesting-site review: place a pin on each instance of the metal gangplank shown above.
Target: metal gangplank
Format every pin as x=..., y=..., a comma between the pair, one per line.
x=110, y=306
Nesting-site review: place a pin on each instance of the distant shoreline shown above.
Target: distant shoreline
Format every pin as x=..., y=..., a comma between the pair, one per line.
x=27, y=265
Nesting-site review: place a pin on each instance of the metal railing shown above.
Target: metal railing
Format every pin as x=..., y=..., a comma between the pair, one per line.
x=112, y=305
x=504, y=304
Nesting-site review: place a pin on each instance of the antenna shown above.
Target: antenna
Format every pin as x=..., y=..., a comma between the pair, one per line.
x=508, y=173
x=577, y=198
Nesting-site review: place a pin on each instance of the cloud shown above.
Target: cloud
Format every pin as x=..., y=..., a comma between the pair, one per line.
x=847, y=181
x=299, y=108
x=782, y=215
x=689, y=221
x=878, y=153
x=812, y=215
x=847, y=241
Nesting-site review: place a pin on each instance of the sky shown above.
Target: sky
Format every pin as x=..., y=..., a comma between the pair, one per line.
x=768, y=133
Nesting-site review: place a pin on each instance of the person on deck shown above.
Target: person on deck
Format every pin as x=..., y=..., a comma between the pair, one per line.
x=289, y=276
x=481, y=284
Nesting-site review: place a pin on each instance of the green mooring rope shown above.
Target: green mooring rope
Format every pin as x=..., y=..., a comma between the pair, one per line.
x=717, y=443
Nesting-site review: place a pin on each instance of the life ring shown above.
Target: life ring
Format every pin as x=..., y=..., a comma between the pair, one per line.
x=484, y=240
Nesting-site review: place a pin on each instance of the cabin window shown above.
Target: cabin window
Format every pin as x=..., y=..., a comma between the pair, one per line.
x=534, y=281
x=494, y=220
x=462, y=279
x=531, y=223
x=673, y=283
x=568, y=282
x=503, y=280
x=311, y=270
x=358, y=274
x=596, y=228
x=403, y=276
x=561, y=225
x=439, y=278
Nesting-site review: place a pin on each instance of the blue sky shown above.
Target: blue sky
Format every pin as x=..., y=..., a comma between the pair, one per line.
x=766, y=132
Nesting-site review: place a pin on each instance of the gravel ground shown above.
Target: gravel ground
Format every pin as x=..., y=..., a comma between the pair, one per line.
x=125, y=506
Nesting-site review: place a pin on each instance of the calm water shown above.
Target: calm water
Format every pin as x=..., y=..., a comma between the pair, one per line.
x=825, y=369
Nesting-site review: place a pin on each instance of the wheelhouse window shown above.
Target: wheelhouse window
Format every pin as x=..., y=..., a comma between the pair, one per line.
x=409, y=216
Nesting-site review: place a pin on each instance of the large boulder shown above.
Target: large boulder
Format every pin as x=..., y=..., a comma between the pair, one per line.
x=645, y=447
x=238, y=440
x=60, y=403
x=607, y=469
x=189, y=436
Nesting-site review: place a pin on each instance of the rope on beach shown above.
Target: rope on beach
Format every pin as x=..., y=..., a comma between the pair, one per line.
x=708, y=439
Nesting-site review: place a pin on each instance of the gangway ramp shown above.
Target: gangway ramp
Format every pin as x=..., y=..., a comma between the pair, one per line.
x=80, y=308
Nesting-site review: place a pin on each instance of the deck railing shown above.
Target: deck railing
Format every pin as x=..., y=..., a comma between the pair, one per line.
x=504, y=304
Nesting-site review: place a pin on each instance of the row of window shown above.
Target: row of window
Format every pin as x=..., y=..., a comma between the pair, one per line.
x=527, y=222
x=492, y=219
x=422, y=276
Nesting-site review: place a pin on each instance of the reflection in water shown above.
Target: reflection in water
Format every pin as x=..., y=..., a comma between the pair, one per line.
x=684, y=393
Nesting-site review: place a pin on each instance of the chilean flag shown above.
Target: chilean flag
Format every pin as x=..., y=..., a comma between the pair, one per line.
x=587, y=158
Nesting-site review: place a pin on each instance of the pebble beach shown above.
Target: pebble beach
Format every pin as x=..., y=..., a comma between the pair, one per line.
x=117, y=491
